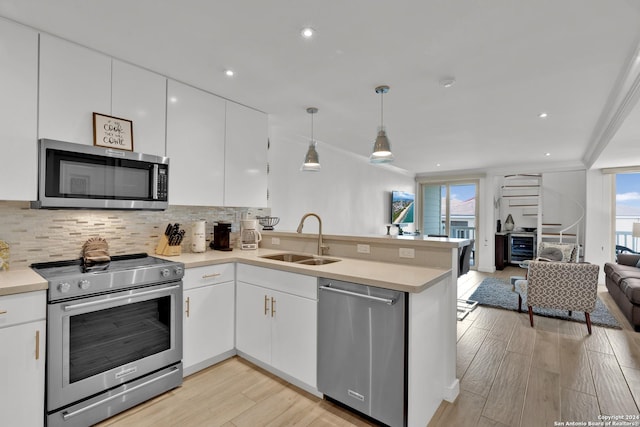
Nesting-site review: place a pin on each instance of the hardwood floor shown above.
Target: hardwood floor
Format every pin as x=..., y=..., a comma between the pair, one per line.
x=510, y=375
x=514, y=375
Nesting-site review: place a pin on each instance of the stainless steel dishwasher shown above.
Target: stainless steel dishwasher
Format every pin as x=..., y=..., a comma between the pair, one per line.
x=362, y=355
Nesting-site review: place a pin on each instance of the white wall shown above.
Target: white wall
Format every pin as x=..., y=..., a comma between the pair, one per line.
x=351, y=195
x=598, y=247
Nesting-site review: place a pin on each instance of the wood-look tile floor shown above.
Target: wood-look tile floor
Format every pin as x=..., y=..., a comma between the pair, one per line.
x=510, y=375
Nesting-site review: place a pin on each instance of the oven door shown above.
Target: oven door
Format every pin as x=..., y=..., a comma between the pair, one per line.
x=98, y=343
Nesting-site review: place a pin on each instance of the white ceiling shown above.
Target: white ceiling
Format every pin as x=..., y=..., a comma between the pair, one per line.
x=511, y=60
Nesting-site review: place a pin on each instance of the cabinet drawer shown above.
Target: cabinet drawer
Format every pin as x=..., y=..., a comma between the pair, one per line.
x=284, y=281
x=22, y=308
x=211, y=274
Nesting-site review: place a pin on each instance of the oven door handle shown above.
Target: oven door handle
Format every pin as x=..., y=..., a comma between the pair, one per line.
x=66, y=415
x=103, y=301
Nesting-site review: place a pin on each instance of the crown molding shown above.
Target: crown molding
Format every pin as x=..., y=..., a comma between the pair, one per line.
x=622, y=100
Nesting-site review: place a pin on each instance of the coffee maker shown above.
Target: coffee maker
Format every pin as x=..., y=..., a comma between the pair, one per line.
x=249, y=234
x=221, y=233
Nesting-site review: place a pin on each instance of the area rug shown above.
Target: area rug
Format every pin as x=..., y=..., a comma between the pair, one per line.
x=497, y=293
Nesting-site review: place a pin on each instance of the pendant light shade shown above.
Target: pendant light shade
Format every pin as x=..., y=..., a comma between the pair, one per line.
x=311, y=160
x=381, y=148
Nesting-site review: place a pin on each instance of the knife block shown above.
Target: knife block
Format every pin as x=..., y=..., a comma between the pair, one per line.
x=163, y=247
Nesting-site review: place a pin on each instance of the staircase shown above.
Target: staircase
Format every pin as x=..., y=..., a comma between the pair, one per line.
x=522, y=195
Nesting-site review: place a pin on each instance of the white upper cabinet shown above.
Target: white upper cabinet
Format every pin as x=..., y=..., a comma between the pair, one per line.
x=245, y=157
x=195, y=146
x=140, y=96
x=75, y=82
x=18, y=106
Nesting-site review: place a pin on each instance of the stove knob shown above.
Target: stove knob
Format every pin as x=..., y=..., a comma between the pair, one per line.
x=64, y=287
x=179, y=271
x=84, y=284
x=165, y=272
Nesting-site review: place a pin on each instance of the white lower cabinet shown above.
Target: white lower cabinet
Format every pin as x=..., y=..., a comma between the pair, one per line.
x=208, y=316
x=22, y=338
x=277, y=320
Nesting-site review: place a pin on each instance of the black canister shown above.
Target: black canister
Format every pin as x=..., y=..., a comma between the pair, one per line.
x=221, y=233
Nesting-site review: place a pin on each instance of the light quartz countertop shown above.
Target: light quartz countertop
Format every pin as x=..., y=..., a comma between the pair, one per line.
x=399, y=277
x=20, y=281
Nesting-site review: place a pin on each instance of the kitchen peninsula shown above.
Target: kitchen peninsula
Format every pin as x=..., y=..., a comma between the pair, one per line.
x=427, y=272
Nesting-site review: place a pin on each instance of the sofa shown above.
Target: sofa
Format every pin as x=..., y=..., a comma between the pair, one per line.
x=623, y=283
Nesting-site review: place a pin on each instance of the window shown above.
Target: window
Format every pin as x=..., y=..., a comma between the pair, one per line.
x=627, y=211
x=450, y=209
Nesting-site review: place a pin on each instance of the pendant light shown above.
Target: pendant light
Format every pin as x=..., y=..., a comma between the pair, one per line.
x=381, y=148
x=311, y=161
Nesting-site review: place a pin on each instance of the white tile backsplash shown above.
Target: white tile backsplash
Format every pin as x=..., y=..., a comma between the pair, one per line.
x=40, y=235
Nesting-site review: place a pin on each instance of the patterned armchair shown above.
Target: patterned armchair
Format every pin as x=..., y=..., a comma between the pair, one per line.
x=561, y=285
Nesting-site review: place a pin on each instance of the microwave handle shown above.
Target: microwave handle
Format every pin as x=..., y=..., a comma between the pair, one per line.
x=155, y=181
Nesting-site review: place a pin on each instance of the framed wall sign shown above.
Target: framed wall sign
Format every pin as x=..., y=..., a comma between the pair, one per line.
x=112, y=132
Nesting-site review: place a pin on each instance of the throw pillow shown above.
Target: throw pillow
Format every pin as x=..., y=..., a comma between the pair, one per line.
x=566, y=248
x=551, y=254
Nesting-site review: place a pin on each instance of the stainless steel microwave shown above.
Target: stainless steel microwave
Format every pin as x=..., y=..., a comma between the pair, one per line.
x=83, y=176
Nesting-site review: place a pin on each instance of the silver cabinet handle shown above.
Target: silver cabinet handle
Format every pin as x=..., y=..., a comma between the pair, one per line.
x=208, y=276
x=356, y=294
x=66, y=415
x=108, y=300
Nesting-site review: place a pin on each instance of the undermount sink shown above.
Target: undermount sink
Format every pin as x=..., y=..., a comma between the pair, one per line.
x=300, y=258
x=317, y=261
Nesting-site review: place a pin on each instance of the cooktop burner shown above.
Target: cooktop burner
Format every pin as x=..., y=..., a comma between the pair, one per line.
x=73, y=278
x=75, y=266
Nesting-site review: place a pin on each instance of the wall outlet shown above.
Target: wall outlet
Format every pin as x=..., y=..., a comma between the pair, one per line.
x=406, y=253
x=364, y=249
x=275, y=240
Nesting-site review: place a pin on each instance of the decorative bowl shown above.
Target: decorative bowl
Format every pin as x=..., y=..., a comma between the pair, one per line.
x=268, y=222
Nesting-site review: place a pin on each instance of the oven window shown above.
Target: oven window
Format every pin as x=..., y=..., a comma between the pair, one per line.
x=105, y=339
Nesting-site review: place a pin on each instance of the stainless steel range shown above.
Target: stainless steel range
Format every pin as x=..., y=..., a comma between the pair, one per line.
x=114, y=335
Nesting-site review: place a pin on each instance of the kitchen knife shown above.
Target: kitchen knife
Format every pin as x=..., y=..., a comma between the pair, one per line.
x=180, y=237
x=167, y=231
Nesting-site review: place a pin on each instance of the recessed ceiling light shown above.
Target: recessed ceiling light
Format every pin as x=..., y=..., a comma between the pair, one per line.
x=438, y=164
x=307, y=32
x=448, y=82
x=543, y=115
x=173, y=99
x=229, y=73
x=547, y=154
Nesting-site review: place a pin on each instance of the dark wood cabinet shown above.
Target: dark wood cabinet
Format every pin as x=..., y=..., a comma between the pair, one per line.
x=501, y=250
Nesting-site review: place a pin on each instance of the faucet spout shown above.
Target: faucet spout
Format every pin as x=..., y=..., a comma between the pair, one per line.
x=299, y=230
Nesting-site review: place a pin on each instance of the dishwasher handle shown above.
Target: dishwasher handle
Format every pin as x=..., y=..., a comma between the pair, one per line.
x=388, y=301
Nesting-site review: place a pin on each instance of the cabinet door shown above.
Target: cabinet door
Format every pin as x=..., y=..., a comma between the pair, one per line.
x=253, y=321
x=18, y=105
x=195, y=146
x=245, y=157
x=208, y=322
x=140, y=96
x=294, y=336
x=75, y=82
x=22, y=374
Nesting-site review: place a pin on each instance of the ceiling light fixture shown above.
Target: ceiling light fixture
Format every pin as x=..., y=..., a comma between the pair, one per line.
x=543, y=115
x=381, y=148
x=229, y=73
x=448, y=82
x=307, y=32
x=547, y=154
x=311, y=160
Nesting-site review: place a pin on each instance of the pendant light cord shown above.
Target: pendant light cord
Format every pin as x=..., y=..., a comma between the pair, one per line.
x=381, y=110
